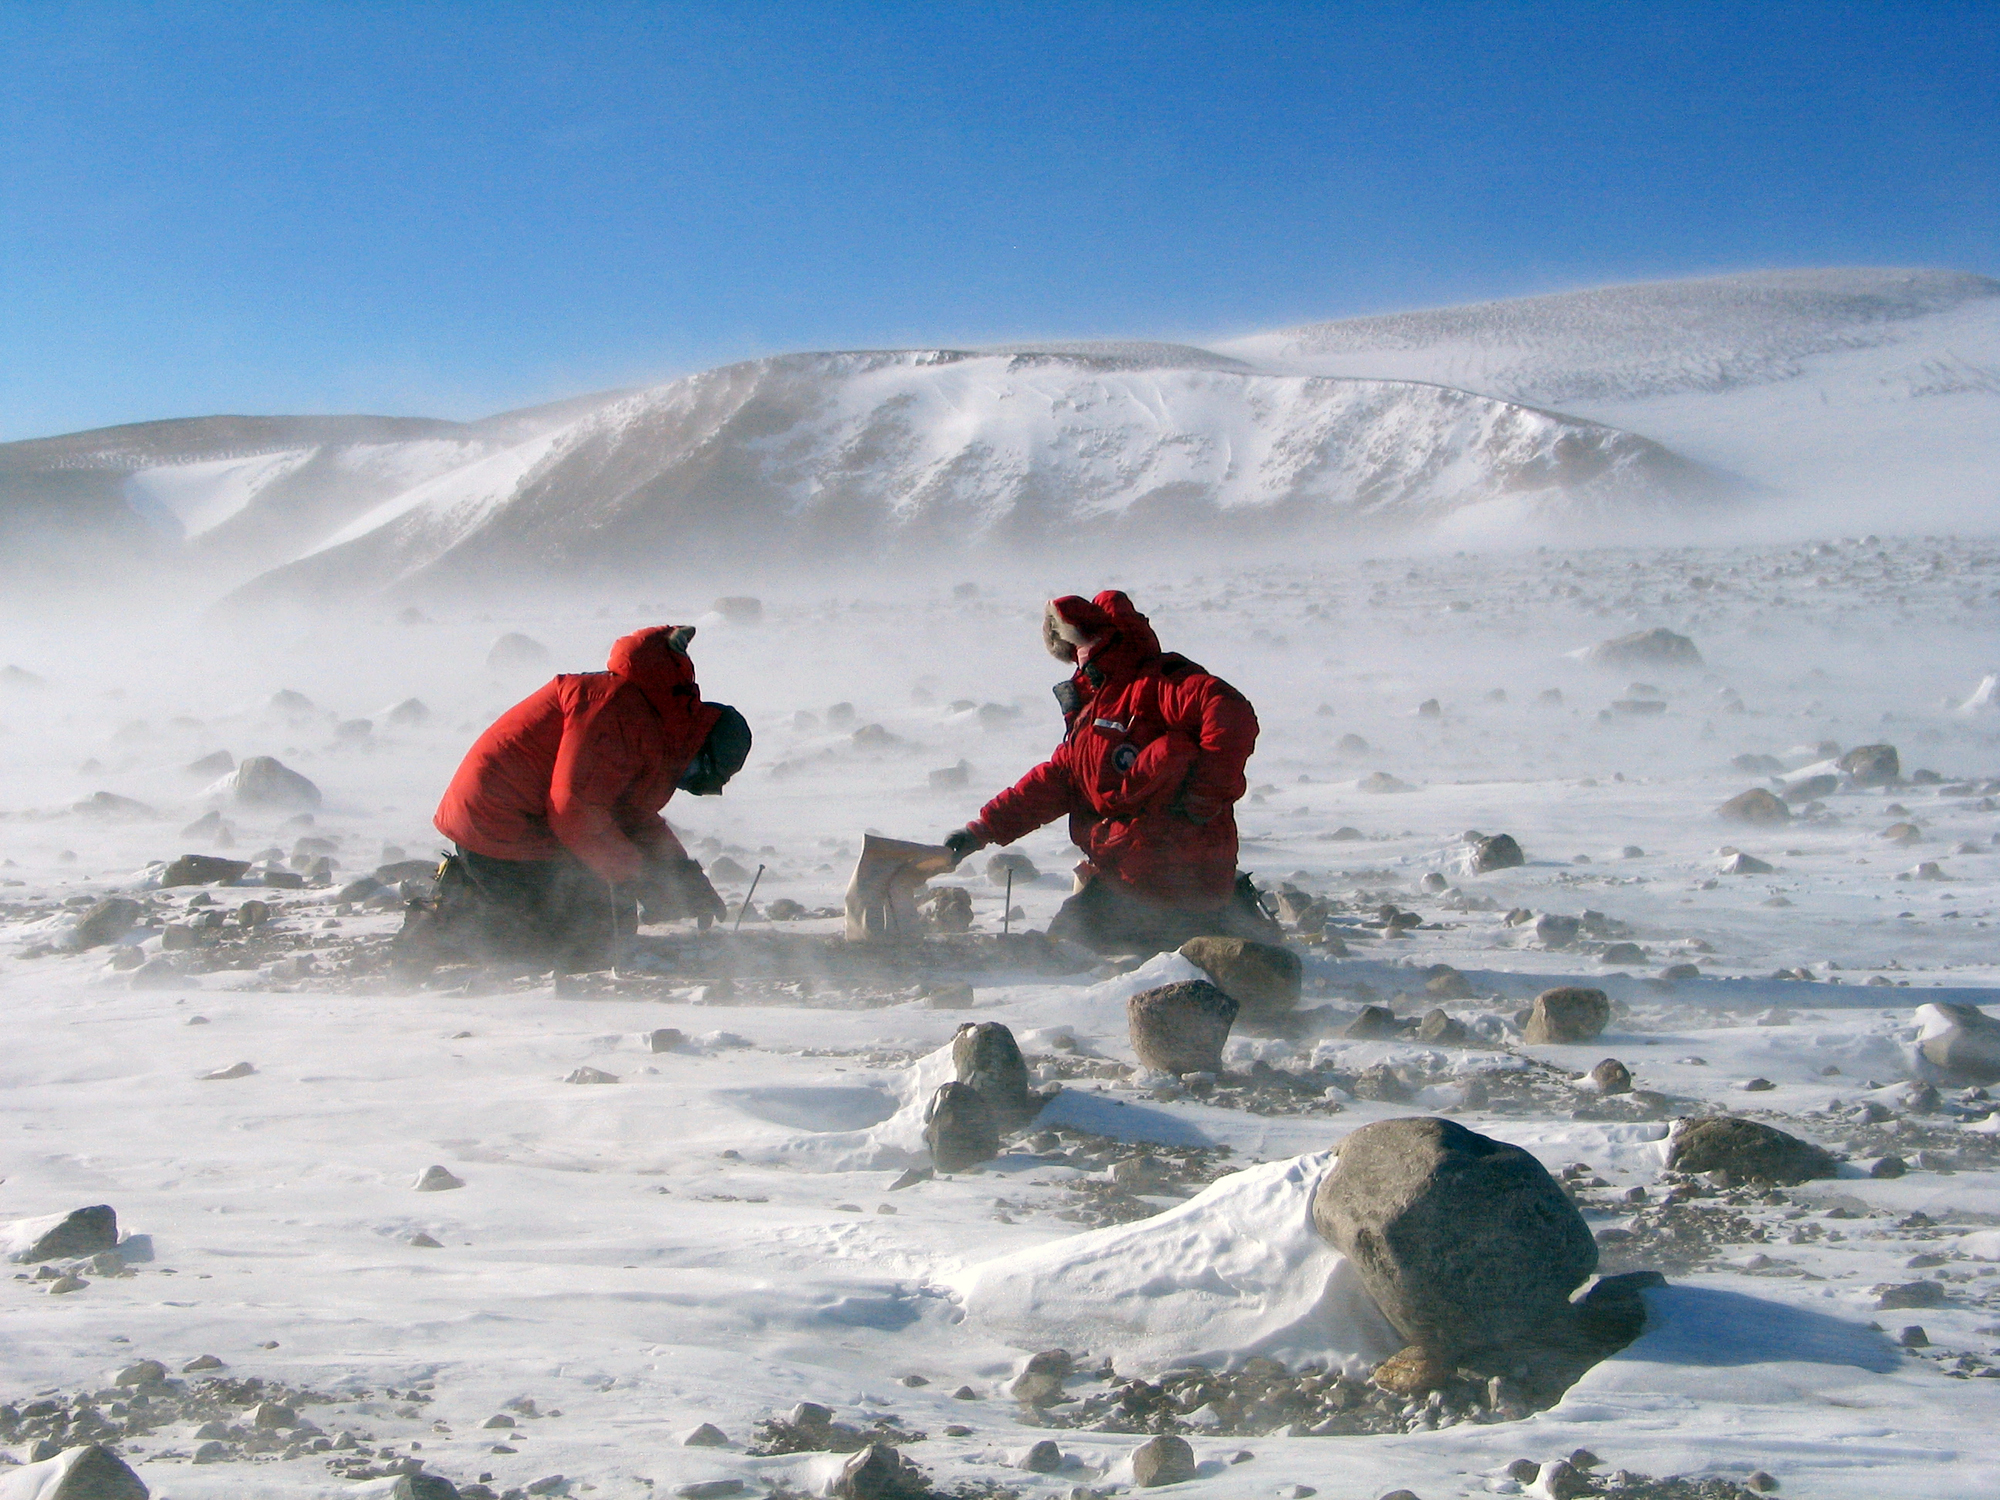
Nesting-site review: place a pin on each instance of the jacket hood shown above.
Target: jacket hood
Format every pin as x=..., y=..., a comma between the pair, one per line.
x=1106, y=632
x=655, y=661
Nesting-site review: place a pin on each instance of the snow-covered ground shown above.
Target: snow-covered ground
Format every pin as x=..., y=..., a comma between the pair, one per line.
x=715, y=1236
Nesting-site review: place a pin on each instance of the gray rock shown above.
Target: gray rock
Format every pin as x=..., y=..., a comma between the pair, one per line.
x=105, y=922
x=1553, y=930
x=266, y=782
x=1812, y=788
x=1443, y=982
x=664, y=1039
x=408, y=714
x=1612, y=1077
x=1910, y=1294
x=1622, y=953
x=1748, y=1151
x=1165, y=1459
x=740, y=609
x=270, y=1416
x=1376, y=1023
x=202, y=869
x=145, y=1372
x=959, y=1128
x=1465, y=1243
x=1968, y=1051
x=879, y=1472
x=1180, y=1028
x=1872, y=765
x=1740, y=863
x=1262, y=978
x=214, y=1451
x=86, y=1473
x=1756, y=807
x=1657, y=647
x=1498, y=852
x=1003, y=860
x=83, y=1231
x=711, y=1489
x=987, y=1059
x=1442, y=1030
x=707, y=1435
x=1888, y=1166
x=111, y=805
x=515, y=652
x=422, y=1486
x=1567, y=1015
x=436, y=1179
x=1044, y=1458
x=589, y=1075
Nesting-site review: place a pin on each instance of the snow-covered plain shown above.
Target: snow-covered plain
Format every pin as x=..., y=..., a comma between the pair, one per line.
x=711, y=1237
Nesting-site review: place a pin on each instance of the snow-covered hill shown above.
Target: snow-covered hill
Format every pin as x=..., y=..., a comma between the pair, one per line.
x=907, y=453
x=1865, y=388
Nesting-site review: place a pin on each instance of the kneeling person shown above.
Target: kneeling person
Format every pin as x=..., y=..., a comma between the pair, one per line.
x=1148, y=773
x=556, y=811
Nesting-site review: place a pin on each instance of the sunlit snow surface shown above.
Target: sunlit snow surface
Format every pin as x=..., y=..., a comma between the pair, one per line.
x=608, y=1259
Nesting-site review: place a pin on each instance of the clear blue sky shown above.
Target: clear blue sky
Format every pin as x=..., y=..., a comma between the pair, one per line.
x=453, y=209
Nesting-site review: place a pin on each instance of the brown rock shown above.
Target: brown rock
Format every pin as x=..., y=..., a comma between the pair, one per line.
x=1567, y=1015
x=1755, y=806
x=1181, y=1028
x=1262, y=978
x=1748, y=1151
x=1162, y=1460
x=1412, y=1372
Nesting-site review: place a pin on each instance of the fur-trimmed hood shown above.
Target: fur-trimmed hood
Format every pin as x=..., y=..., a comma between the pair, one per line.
x=1107, y=632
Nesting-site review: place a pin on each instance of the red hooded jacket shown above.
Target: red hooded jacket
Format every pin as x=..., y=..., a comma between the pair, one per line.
x=1151, y=766
x=585, y=764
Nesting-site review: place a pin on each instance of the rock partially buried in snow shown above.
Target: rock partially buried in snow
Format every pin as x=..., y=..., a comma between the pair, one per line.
x=1739, y=863
x=987, y=1060
x=436, y=1179
x=70, y=1236
x=959, y=1129
x=1465, y=1243
x=264, y=781
x=1756, y=807
x=1658, y=647
x=1165, y=1459
x=589, y=1075
x=1612, y=1077
x=1961, y=1041
x=1567, y=1015
x=202, y=869
x=106, y=922
x=1748, y=1151
x=1262, y=978
x=1180, y=1028
x=879, y=1472
x=86, y=1473
x=234, y=1070
x=1497, y=852
x=1872, y=765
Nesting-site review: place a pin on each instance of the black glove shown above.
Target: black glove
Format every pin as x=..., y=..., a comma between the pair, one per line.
x=962, y=842
x=677, y=888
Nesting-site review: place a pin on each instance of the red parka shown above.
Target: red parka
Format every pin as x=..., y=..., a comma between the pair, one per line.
x=1150, y=769
x=585, y=764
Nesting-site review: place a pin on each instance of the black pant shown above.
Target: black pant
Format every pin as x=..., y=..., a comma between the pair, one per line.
x=1109, y=919
x=550, y=913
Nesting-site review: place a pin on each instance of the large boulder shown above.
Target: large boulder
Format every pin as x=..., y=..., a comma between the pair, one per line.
x=1465, y=1243
x=106, y=922
x=988, y=1060
x=1658, y=647
x=1567, y=1015
x=1748, y=1151
x=959, y=1129
x=1499, y=851
x=267, y=782
x=1960, y=1041
x=202, y=869
x=83, y=1231
x=86, y=1473
x=1872, y=765
x=1165, y=1459
x=1181, y=1028
x=1756, y=807
x=1262, y=978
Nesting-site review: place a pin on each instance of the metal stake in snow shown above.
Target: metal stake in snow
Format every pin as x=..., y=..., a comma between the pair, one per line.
x=745, y=907
x=1007, y=911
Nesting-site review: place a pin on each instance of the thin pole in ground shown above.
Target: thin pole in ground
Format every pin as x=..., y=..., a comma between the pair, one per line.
x=1007, y=911
x=744, y=909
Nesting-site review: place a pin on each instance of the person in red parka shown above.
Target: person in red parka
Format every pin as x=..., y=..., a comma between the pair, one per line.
x=1149, y=772
x=556, y=808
